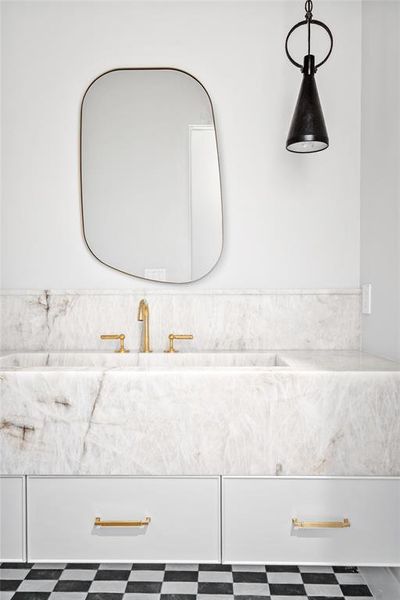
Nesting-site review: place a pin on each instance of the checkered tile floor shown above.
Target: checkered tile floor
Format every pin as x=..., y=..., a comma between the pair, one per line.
x=178, y=582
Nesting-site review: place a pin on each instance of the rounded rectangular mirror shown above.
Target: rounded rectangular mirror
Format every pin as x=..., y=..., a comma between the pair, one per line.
x=150, y=181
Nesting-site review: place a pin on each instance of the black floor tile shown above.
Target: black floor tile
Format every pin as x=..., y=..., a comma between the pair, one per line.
x=144, y=587
x=215, y=567
x=178, y=597
x=82, y=566
x=104, y=596
x=68, y=585
x=355, y=590
x=325, y=597
x=249, y=577
x=9, y=585
x=322, y=578
x=18, y=565
x=252, y=597
x=44, y=574
x=345, y=569
x=112, y=575
x=31, y=596
x=148, y=567
x=211, y=587
x=287, y=589
x=282, y=569
x=181, y=576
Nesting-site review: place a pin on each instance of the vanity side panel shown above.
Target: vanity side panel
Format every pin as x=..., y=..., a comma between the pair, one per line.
x=12, y=519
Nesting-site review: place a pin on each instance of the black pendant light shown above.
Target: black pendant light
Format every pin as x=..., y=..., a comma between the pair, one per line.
x=307, y=131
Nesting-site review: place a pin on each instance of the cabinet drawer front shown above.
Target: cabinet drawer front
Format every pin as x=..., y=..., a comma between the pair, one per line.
x=12, y=519
x=184, y=513
x=258, y=513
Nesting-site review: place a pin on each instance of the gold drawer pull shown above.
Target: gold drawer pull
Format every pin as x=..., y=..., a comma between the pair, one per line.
x=320, y=524
x=99, y=523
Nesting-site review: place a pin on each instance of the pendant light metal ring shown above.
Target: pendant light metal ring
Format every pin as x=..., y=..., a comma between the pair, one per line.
x=305, y=22
x=309, y=6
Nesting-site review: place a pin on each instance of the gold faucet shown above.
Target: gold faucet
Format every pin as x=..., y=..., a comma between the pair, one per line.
x=173, y=336
x=143, y=315
x=116, y=336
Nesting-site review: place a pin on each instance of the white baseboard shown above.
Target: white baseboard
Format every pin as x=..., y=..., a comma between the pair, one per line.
x=384, y=582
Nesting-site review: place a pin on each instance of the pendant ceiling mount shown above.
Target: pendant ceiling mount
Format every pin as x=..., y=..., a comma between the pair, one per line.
x=307, y=131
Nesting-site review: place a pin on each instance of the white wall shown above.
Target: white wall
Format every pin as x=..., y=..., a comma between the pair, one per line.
x=380, y=179
x=290, y=221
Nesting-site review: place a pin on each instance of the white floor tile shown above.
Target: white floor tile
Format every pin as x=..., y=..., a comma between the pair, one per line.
x=16, y=574
x=37, y=585
x=350, y=578
x=316, y=589
x=49, y=566
x=116, y=566
x=179, y=587
x=363, y=597
x=78, y=574
x=320, y=569
x=249, y=568
x=215, y=576
x=68, y=596
x=146, y=576
x=250, y=589
x=284, y=578
x=108, y=586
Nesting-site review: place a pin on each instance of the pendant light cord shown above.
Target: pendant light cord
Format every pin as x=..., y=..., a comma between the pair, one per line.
x=308, y=6
x=308, y=21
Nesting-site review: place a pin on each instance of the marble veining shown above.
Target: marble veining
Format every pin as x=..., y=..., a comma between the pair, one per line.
x=219, y=320
x=336, y=414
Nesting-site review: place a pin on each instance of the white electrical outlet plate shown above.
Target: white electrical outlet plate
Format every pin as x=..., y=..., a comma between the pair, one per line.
x=157, y=274
x=366, y=298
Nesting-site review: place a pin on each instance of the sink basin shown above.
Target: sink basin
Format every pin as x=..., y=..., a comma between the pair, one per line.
x=211, y=359
x=110, y=360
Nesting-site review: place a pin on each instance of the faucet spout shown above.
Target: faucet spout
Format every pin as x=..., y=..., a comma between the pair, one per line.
x=144, y=315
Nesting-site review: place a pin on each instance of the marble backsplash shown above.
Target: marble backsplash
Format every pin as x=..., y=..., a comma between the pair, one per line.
x=218, y=320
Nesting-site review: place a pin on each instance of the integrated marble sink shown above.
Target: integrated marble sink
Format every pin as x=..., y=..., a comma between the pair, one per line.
x=112, y=360
x=281, y=412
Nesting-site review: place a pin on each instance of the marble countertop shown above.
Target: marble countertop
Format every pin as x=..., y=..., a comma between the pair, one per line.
x=331, y=413
x=338, y=360
x=314, y=360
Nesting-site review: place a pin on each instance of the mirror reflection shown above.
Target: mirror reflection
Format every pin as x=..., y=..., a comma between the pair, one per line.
x=151, y=196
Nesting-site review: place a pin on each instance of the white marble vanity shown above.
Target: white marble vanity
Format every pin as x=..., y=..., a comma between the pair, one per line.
x=199, y=440
x=227, y=413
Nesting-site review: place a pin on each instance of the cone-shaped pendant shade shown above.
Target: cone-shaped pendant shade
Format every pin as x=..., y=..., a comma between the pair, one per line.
x=307, y=130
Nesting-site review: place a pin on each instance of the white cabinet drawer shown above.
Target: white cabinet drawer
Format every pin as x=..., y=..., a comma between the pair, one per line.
x=258, y=513
x=184, y=512
x=12, y=519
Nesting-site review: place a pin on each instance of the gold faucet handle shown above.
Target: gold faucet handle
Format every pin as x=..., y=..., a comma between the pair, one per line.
x=173, y=336
x=116, y=336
